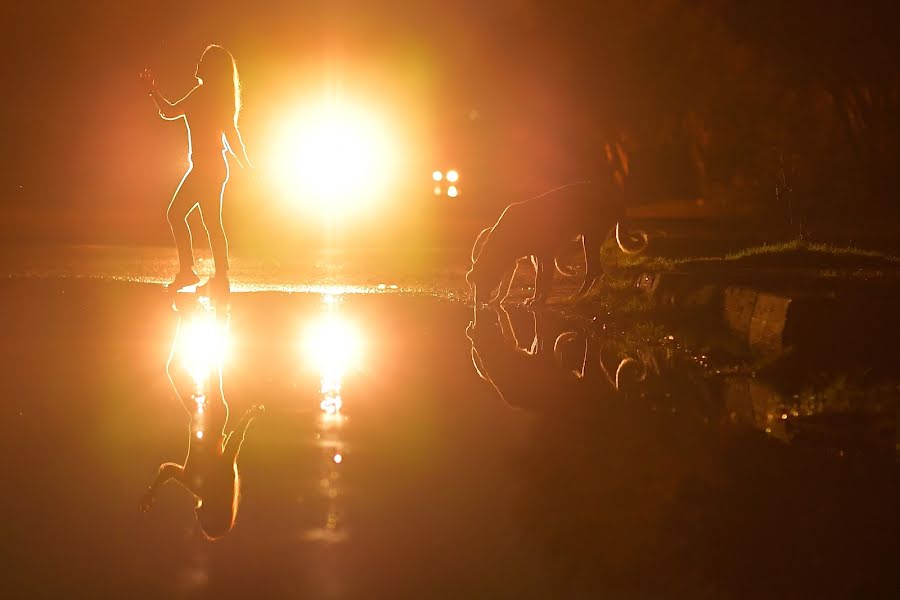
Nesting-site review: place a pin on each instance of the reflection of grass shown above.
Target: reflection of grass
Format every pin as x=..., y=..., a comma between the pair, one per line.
x=796, y=254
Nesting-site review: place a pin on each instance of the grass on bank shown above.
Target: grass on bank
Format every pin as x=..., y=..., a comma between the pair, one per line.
x=816, y=260
x=795, y=254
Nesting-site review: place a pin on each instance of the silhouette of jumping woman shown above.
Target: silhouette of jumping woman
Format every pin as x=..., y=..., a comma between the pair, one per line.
x=211, y=112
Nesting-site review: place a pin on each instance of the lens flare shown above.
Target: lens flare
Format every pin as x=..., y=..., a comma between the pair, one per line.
x=204, y=345
x=452, y=191
x=334, y=157
x=452, y=176
x=334, y=347
x=437, y=175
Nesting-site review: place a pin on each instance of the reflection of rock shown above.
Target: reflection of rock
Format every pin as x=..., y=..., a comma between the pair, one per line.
x=756, y=317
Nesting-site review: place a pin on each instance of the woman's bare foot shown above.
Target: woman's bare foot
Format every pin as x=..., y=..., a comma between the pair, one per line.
x=183, y=280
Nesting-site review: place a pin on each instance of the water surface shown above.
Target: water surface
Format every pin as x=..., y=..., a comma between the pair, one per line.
x=407, y=451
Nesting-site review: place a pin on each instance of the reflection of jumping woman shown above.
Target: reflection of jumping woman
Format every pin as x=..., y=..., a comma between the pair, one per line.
x=211, y=113
x=210, y=469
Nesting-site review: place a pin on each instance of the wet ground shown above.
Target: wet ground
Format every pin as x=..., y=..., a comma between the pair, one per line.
x=407, y=451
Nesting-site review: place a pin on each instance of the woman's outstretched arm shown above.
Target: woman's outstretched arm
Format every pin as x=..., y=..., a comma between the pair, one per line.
x=232, y=135
x=167, y=110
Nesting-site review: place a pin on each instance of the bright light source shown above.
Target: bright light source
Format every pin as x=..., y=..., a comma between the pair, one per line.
x=452, y=176
x=333, y=346
x=452, y=191
x=437, y=175
x=338, y=458
x=334, y=156
x=202, y=345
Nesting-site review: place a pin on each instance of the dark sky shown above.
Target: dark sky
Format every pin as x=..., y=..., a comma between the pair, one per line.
x=521, y=95
x=86, y=158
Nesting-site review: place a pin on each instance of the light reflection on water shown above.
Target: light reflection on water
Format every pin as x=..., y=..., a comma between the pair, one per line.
x=596, y=483
x=333, y=347
x=200, y=349
x=203, y=344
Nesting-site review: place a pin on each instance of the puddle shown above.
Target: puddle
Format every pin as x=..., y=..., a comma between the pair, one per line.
x=407, y=449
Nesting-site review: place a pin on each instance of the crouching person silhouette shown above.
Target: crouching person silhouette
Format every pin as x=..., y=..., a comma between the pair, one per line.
x=210, y=469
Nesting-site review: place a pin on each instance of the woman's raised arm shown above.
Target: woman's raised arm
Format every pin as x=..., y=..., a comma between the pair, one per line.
x=167, y=110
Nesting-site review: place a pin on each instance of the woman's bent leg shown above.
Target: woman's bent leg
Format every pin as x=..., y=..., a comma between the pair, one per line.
x=179, y=209
x=211, y=211
x=218, y=243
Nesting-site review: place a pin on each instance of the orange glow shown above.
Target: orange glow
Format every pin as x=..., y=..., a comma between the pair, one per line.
x=334, y=347
x=203, y=345
x=331, y=404
x=334, y=157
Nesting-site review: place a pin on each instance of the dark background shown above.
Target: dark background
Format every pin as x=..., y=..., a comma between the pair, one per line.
x=765, y=110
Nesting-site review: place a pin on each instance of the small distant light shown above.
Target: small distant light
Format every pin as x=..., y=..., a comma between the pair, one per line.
x=783, y=417
x=452, y=191
x=199, y=435
x=452, y=176
x=437, y=190
x=338, y=458
x=437, y=175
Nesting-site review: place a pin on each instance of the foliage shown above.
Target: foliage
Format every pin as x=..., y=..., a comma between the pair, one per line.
x=714, y=99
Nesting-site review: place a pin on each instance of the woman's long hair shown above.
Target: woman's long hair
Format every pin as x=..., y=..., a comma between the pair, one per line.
x=219, y=74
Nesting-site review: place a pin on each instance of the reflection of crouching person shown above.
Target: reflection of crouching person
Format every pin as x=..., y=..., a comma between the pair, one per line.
x=210, y=473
